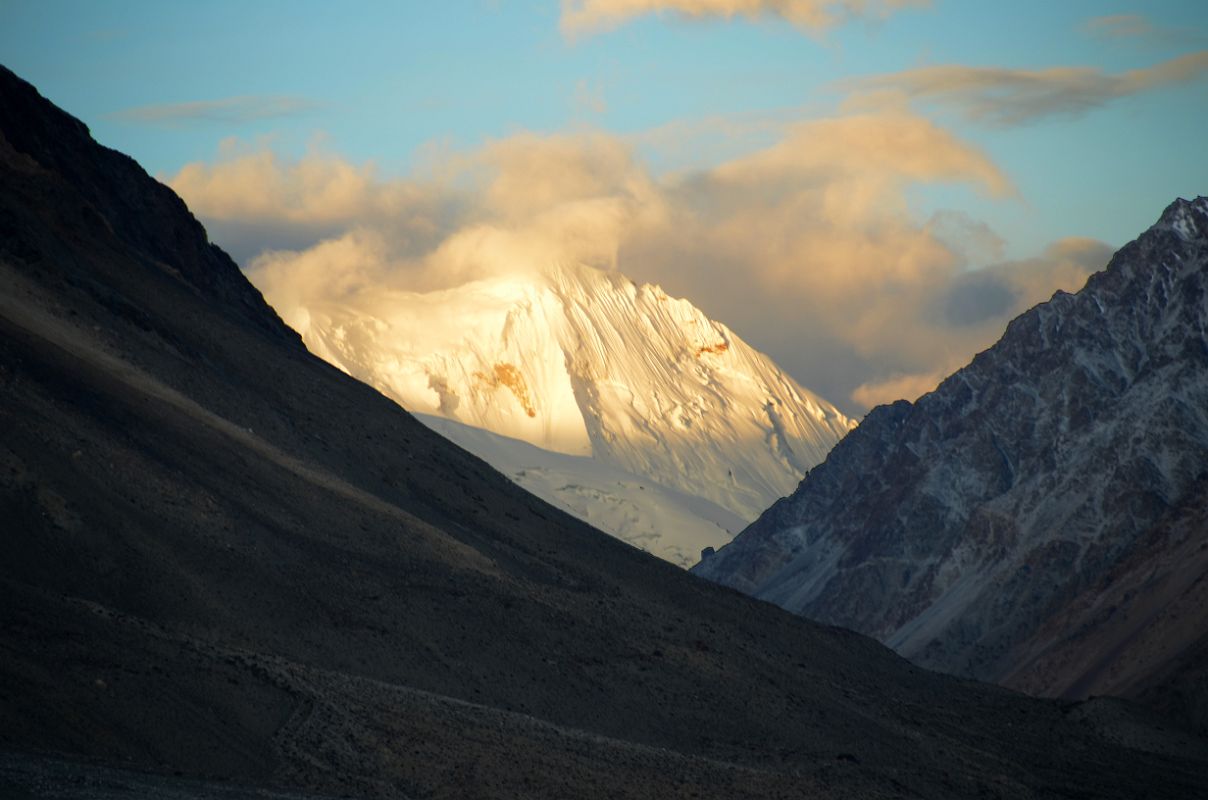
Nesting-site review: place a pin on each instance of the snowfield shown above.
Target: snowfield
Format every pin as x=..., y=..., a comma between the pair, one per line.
x=646, y=418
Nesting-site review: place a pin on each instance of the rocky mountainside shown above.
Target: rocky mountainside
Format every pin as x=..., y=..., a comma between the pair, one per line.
x=229, y=567
x=1033, y=518
x=586, y=363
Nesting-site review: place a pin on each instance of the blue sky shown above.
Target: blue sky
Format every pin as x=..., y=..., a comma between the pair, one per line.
x=387, y=78
x=409, y=86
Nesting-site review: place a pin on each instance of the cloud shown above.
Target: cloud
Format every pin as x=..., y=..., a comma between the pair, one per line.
x=589, y=98
x=1118, y=26
x=807, y=245
x=585, y=16
x=1001, y=291
x=527, y=175
x=229, y=110
x=975, y=241
x=1134, y=27
x=976, y=305
x=334, y=268
x=866, y=147
x=900, y=387
x=317, y=189
x=1002, y=96
x=685, y=144
x=253, y=200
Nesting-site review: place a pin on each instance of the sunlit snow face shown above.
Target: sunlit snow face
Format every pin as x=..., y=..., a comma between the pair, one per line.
x=585, y=362
x=818, y=174
x=806, y=243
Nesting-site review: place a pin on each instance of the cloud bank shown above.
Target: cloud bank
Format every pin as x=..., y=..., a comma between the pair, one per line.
x=1002, y=96
x=807, y=247
x=580, y=17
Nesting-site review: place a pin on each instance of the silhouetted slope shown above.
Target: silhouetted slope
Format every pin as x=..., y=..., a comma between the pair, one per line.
x=226, y=558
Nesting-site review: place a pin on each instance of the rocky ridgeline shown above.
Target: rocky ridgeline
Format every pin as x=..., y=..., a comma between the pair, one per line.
x=226, y=560
x=955, y=527
x=40, y=144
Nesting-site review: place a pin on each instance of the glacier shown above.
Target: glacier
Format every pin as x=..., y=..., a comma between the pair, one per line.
x=634, y=387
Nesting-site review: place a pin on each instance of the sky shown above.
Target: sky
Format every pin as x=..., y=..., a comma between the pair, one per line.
x=867, y=190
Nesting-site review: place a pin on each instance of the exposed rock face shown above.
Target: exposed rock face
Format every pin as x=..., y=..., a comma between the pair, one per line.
x=109, y=192
x=967, y=529
x=226, y=558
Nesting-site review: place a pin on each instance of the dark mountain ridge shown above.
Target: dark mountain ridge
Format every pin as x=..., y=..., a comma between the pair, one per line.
x=109, y=190
x=1018, y=523
x=225, y=558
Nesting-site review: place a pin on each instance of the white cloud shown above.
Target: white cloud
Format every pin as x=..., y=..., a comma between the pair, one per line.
x=807, y=246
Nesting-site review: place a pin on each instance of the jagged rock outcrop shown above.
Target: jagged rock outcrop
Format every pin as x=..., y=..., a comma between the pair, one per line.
x=966, y=529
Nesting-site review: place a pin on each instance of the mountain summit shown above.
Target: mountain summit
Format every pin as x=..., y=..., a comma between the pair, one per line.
x=987, y=528
x=587, y=364
x=226, y=559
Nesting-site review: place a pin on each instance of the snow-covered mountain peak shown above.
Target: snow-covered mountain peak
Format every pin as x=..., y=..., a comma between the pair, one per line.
x=586, y=362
